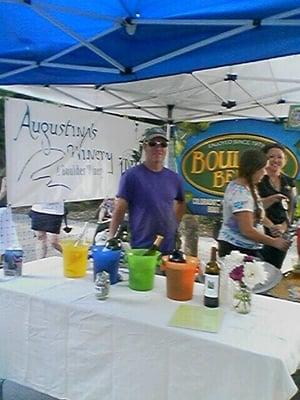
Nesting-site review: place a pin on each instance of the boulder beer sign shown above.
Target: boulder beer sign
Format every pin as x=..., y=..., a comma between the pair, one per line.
x=209, y=165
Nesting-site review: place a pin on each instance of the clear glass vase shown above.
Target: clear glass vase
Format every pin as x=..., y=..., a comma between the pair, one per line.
x=242, y=300
x=226, y=285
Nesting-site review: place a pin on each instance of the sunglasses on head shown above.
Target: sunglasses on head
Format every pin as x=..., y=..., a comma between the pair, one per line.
x=154, y=143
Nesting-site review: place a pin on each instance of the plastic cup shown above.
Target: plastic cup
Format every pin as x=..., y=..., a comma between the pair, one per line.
x=141, y=269
x=75, y=258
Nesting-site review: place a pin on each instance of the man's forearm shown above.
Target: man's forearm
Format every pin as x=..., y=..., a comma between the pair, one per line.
x=114, y=225
x=117, y=217
x=179, y=210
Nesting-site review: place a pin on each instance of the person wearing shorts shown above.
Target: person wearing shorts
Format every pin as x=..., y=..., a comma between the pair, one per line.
x=46, y=220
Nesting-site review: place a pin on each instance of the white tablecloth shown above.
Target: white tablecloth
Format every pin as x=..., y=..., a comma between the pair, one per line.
x=56, y=337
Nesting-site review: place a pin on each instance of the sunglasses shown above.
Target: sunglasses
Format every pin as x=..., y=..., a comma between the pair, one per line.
x=154, y=143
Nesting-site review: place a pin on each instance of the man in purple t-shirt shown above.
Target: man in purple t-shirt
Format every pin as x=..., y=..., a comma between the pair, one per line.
x=153, y=196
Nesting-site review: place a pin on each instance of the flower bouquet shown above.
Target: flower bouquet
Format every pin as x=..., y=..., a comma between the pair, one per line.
x=246, y=275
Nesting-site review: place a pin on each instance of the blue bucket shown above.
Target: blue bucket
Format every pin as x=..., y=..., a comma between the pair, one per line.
x=107, y=260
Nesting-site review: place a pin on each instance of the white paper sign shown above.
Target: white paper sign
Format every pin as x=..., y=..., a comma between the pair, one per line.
x=58, y=153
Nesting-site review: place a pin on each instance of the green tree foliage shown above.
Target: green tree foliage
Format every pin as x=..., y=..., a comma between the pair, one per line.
x=186, y=129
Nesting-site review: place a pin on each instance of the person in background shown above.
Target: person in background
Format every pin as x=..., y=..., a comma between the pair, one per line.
x=3, y=189
x=278, y=194
x=46, y=220
x=8, y=232
x=103, y=215
x=105, y=209
x=153, y=196
x=243, y=213
x=3, y=202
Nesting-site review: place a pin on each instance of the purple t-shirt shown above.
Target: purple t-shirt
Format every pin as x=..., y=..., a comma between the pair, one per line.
x=150, y=196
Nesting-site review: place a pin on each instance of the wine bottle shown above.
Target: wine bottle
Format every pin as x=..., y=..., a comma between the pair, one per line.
x=113, y=244
x=212, y=281
x=154, y=247
x=177, y=255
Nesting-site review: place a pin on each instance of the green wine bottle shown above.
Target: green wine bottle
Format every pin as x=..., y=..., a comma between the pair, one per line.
x=177, y=255
x=154, y=247
x=212, y=281
x=113, y=244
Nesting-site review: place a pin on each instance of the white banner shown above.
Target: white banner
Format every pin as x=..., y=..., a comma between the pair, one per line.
x=58, y=153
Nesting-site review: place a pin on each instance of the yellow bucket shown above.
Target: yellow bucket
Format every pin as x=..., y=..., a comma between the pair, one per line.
x=75, y=258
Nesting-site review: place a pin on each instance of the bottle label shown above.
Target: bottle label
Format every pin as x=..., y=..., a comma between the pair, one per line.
x=211, y=286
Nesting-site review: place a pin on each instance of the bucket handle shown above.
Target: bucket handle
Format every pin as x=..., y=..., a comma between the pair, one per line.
x=163, y=266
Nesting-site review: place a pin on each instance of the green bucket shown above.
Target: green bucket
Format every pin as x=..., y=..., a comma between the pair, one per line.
x=142, y=269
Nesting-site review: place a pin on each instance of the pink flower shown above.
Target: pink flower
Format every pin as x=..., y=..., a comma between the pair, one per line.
x=248, y=272
x=237, y=273
x=248, y=258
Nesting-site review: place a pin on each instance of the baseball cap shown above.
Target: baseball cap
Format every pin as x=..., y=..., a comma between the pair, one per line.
x=155, y=132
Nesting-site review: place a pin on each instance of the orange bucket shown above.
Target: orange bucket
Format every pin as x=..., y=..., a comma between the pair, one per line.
x=180, y=277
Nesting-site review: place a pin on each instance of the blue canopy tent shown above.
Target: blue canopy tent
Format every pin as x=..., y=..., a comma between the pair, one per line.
x=89, y=42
